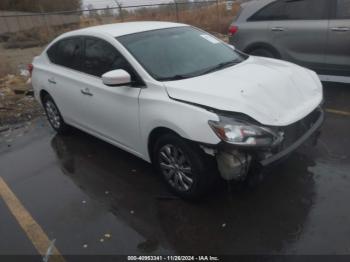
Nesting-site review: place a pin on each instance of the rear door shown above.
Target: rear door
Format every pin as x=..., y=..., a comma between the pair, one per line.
x=299, y=30
x=64, y=77
x=338, y=45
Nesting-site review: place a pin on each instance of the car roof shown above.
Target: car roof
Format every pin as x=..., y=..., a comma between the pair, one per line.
x=125, y=28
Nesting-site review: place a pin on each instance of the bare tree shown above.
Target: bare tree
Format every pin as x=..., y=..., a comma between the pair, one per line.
x=108, y=11
x=122, y=12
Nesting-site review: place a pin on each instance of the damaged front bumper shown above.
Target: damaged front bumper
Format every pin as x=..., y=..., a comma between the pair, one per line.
x=312, y=132
x=235, y=163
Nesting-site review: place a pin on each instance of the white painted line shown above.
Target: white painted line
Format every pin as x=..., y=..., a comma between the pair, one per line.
x=338, y=112
x=337, y=79
x=33, y=230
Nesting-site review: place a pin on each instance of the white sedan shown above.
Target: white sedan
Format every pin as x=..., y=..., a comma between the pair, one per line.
x=180, y=98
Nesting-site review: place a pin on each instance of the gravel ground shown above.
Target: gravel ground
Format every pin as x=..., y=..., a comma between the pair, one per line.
x=17, y=103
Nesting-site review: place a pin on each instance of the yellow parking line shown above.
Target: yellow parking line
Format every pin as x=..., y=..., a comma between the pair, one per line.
x=338, y=112
x=33, y=230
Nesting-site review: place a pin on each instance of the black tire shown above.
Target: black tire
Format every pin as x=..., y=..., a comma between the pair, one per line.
x=263, y=52
x=203, y=171
x=54, y=116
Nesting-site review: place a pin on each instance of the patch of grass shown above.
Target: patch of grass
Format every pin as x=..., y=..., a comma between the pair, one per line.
x=210, y=17
x=37, y=36
x=213, y=18
x=5, y=67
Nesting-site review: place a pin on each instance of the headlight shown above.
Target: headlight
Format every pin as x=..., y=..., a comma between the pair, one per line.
x=241, y=133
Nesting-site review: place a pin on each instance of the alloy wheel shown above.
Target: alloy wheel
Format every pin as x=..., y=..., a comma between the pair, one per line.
x=176, y=167
x=52, y=114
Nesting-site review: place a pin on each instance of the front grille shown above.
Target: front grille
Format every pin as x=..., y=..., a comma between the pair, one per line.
x=296, y=130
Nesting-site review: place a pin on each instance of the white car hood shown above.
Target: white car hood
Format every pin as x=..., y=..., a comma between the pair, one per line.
x=273, y=92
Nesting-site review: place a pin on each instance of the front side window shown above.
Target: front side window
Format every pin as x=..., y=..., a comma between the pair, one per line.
x=293, y=10
x=180, y=52
x=101, y=57
x=306, y=9
x=343, y=9
x=67, y=52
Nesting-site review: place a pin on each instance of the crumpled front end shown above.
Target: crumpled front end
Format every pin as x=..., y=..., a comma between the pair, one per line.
x=235, y=162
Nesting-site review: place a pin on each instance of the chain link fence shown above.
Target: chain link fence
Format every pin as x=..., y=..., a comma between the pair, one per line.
x=20, y=30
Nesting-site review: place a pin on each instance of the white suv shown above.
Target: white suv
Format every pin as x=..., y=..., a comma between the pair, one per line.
x=178, y=97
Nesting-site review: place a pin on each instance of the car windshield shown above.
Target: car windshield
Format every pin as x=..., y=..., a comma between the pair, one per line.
x=179, y=53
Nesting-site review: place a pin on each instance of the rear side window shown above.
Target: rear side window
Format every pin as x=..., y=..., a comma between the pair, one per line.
x=101, y=57
x=293, y=10
x=270, y=12
x=67, y=52
x=343, y=9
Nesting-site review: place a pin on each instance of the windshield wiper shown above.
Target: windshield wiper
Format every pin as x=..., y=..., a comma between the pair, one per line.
x=212, y=69
x=175, y=77
x=220, y=66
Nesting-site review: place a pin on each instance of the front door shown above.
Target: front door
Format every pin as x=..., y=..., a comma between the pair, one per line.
x=109, y=111
x=300, y=31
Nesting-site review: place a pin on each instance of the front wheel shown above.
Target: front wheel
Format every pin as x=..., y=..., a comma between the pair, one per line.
x=185, y=168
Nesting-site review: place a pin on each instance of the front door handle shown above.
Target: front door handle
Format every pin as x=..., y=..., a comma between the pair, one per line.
x=277, y=29
x=340, y=29
x=86, y=92
x=51, y=81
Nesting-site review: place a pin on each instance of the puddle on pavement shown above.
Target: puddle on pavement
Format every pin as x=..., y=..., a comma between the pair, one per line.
x=260, y=220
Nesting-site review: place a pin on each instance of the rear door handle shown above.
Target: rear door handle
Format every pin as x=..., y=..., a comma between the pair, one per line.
x=277, y=29
x=86, y=92
x=51, y=80
x=340, y=29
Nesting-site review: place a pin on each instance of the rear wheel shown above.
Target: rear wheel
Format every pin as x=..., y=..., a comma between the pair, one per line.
x=185, y=168
x=54, y=116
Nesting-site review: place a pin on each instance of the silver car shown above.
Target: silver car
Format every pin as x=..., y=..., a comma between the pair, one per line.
x=311, y=33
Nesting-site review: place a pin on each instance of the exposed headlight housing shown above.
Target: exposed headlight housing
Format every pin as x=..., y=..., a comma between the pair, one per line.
x=241, y=133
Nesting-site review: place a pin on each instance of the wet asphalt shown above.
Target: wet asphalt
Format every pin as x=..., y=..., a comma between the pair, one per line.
x=79, y=188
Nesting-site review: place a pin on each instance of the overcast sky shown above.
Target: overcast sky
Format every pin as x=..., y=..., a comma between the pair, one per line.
x=111, y=3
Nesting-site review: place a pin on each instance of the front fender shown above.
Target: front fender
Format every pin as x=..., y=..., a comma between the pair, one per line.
x=188, y=121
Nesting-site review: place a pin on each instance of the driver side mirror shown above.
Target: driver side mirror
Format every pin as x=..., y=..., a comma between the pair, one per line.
x=117, y=77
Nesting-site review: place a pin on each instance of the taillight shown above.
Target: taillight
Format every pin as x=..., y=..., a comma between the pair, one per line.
x=30, y=69
x=232, y=30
